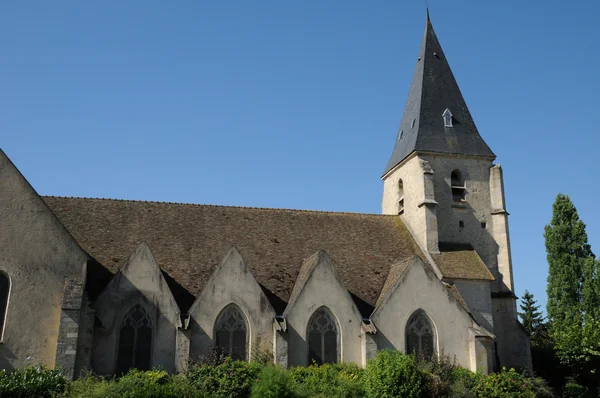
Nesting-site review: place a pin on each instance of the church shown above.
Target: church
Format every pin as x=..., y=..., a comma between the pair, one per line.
x=108, y=285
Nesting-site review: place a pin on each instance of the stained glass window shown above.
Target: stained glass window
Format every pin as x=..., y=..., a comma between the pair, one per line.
x=135, y=340
x=420, y=335
x=323, y=337
x=231, y=332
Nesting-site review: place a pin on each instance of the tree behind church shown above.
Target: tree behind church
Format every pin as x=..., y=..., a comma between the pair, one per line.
x=573, y=291
x=531, y=316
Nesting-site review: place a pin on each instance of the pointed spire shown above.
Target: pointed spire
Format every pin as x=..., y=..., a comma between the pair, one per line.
x=433, y=91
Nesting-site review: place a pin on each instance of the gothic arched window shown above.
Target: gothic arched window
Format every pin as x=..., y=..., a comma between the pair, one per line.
x=135, y=340
x=231, y=332
x=4, y=291
x=457, y=184
x=420, y=335
x=323, y=337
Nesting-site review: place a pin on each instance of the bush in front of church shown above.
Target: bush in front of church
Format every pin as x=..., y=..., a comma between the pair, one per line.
x=340, y=380
x=393, y=374
x=229, y=378
x=134, y=384
x=509, y=383
x=31, y=382
x=273, y=382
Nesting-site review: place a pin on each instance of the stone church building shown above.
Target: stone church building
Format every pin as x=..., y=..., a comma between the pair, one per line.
x=108, y=285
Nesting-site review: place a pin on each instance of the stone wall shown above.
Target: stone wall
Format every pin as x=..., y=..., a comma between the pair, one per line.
x=37, y=254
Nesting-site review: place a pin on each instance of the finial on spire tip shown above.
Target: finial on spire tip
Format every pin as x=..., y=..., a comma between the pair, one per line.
x=427, y=9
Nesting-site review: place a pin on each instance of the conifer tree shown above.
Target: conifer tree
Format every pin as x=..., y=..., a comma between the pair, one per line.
x=573, y=289
x=531, y=316
x=568, y=250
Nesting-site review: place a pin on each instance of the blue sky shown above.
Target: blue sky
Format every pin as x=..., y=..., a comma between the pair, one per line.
x=295, y=104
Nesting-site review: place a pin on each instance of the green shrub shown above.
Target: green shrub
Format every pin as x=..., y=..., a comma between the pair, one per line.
x=273, y=382
x=134, y=384
x=89, y=387
x=463, y=381
x=574, y=390
x=509, y=383
x=393, y=374
x=439, y=375
x=227, y=379
x=328, y=380
x=31, y=382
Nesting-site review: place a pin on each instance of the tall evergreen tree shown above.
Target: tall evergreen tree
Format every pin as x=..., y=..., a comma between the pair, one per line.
x=531, y=316
x=573, y=290
x=568, y=250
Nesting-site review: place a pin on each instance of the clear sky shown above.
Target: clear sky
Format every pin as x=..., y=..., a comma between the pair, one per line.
x=296, y=104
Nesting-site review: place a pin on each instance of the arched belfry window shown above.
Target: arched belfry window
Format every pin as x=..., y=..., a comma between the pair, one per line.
x=135, y=340
x=420, y=335
x=231, y=332
x=323, y=337
x=400, y=196
x=457, y=183
x=4, y=291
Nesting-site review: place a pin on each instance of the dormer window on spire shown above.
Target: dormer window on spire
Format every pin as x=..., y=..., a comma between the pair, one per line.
x=447, y=115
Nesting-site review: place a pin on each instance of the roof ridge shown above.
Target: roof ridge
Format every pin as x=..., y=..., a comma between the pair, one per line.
x=214, y=205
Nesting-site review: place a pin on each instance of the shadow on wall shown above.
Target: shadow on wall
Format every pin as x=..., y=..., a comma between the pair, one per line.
x=123, y=334
x=297, y=348
x=462, y=220
x=6, y=357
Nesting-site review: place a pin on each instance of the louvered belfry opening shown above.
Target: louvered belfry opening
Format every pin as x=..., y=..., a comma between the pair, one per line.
x=231, y=333
x=323, y=337
x=135, y=340
x=420, y=335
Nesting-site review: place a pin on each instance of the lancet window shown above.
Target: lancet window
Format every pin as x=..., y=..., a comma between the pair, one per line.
x=4, y=291
x=420, y=335
x=323, y=337
x=400, y=196
x=231, y=332
x=135, y=340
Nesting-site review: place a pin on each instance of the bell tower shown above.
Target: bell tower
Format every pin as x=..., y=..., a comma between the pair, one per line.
x=441, y=180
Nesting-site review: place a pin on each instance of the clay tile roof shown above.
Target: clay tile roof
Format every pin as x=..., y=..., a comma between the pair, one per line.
x=395, y=272
x=461, y=262
x=188, y=242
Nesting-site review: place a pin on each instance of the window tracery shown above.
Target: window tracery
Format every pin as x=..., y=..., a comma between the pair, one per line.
x=323, y=337
x=420, y=335
x=135, y=340
x=231, y=332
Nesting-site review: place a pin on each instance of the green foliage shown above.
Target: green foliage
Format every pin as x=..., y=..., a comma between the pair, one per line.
x=574, y=390
x=134, y=384
x=227, y=379
x=273, y=382
x=31, y=382
x=531, y=316
x=393, y=374
x=463, y=381
x=389, y=374
x=328, y=380
x=508, y=384
x=573, y=293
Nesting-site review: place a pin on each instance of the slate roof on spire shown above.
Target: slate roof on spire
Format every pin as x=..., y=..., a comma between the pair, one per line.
x=432, y=91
